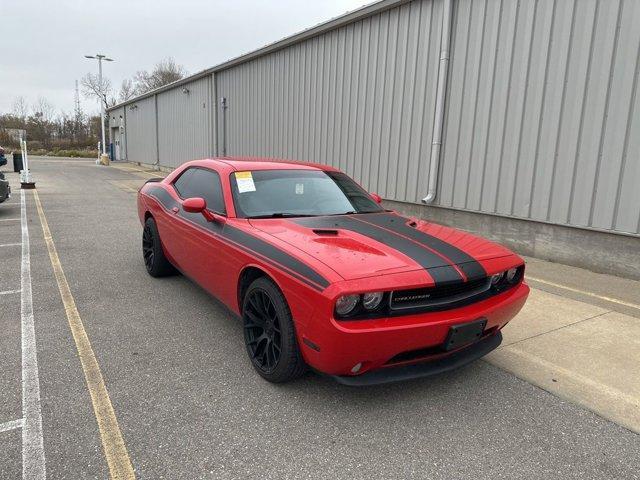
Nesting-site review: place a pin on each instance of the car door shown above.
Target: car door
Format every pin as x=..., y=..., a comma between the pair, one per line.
x=198, y=249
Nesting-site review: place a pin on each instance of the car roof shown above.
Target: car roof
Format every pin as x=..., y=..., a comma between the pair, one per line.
x=261, y=163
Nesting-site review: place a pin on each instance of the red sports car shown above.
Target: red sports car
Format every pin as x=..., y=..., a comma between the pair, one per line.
x=323, y=276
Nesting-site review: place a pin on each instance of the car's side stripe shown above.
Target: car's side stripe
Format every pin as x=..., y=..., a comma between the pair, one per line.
x=245, y=241
x=271, y=251
x=272, y=263
x=391, y=221
x=439, y=269
x=215, y=230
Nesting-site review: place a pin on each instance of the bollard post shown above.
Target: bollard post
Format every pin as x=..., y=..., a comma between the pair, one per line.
x=26, y=182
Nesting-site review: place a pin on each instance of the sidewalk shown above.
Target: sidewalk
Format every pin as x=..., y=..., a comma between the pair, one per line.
x=578, y=337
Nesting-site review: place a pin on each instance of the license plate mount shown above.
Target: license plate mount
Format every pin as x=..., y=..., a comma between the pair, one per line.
x=464, y=333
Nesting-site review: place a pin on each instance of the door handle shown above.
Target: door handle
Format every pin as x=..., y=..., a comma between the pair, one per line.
x=175, y=209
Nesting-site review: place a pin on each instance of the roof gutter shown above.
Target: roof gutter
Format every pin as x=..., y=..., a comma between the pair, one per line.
x=441, y=95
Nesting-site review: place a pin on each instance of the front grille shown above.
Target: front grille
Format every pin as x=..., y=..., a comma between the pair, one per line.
x=438, y=296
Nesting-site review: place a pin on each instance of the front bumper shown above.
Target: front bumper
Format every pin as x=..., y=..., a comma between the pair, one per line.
x=336, y=347
x=424, y=369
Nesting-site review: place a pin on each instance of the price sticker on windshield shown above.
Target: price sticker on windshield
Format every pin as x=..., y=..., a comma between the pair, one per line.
x=244, y=180
x=299, y=188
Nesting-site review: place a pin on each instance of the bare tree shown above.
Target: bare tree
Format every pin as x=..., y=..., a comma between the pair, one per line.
x=126, y=90
x=91, y=87
x=20, y=108
x=43, y=109
x=50, y=130
x=166, y=71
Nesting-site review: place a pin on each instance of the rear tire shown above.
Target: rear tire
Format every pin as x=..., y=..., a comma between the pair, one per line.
x=154, y=260
x=269, y=333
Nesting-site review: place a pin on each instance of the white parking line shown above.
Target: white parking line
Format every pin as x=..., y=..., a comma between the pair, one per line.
x=9, y=244
x=9, y=292
x=33, y=462
x=9, y=219
x=12, y=425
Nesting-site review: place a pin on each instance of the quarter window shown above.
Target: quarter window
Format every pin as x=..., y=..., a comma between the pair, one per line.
x=204, y=183
x=181, y=183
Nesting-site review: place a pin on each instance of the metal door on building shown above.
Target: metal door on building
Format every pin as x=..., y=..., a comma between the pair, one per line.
x=118, y=148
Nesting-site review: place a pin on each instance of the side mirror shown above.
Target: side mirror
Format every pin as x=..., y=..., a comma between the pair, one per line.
x=199, y=205
x=376, y=198
x=194, y=205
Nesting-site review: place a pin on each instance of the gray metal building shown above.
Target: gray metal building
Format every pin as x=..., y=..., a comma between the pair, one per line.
x=540, y=131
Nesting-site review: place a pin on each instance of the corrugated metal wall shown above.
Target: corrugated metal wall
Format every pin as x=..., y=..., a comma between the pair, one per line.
x=360, y=98
x=184, y=123
x=141, y=132
x=542, y=113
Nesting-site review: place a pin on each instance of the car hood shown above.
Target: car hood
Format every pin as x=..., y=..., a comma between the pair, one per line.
x=365, y=245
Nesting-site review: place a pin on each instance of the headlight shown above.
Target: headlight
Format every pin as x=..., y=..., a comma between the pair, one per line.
x=346, y=304
x=371, y=301
x=511, y=274
x=495, y=279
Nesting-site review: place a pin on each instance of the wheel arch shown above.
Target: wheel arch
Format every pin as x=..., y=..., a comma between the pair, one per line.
x=247, y=276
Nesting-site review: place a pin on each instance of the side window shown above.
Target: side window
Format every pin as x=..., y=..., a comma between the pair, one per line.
x=200, y=182
x=181, y=183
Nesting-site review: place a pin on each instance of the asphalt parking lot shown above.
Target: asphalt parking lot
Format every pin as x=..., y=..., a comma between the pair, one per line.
x=187, y=402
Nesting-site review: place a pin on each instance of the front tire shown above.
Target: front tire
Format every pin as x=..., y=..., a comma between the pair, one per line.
x=269, y=333
x=154, y=259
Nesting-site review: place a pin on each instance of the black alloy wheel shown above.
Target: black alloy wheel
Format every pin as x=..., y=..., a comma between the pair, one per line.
x=155, y=261
x=269, y=333
x=147, y=246
x=262, y=331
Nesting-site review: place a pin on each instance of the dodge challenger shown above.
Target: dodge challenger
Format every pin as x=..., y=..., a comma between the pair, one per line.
x=323, y=276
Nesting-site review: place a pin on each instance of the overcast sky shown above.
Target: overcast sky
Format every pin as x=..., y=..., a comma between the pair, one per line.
x=44, y=42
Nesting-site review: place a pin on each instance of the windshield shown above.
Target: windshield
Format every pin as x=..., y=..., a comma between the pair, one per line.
x=294, y=193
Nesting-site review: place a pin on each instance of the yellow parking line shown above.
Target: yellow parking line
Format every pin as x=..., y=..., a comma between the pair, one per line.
x=584, y=292
x=114, y=448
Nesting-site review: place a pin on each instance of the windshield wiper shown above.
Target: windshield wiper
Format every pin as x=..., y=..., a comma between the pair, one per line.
x=282, y=215
x=350, y=212
x=353, y=212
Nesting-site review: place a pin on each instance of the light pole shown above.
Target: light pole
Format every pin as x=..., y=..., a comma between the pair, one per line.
x=101, y=57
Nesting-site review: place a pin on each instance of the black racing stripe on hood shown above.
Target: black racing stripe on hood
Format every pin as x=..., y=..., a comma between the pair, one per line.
x=465, y=262
x=441, y=274
x=244, y=240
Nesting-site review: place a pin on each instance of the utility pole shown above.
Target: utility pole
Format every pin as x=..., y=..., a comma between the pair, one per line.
x=77, y=98
x=103, y=98
x=77, y=123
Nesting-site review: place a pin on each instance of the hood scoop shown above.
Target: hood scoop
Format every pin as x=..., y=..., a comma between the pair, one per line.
x=325, y=231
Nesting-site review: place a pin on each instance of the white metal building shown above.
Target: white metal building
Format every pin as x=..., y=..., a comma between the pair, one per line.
x=540, y=125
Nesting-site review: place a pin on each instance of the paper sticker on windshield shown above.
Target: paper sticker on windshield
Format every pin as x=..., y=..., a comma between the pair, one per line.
x=299, y=188
x=244, y=180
